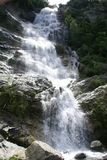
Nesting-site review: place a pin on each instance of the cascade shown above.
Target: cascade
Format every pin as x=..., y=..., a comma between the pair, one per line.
x=64, y=121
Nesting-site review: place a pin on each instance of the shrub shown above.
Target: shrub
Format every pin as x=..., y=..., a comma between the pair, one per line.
x=30, y=4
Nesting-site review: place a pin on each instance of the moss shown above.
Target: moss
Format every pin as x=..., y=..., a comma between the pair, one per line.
x=94, y=83
x=13, y=101
x=11, y=158
x=14, y=158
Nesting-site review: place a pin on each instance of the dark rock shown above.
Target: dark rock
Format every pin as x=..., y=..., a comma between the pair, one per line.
x=19, y=137
x=80, y=156
x=96, y=145
x=3, y=58
x=18, y=64
x=28, y=16
x=31, y=16
x=17, y=54
x=104, y=157
x=1, y=138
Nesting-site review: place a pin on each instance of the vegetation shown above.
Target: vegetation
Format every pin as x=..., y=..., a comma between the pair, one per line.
x=12, y=158
x=30, y=4
x=13, y=101
x=87, y=24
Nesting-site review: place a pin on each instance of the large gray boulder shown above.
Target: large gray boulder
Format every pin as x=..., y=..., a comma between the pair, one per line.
x=41, y=151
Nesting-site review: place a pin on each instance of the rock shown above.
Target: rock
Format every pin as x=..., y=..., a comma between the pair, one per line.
x=94, y=103
x=104, y=157
x=28, y=16
x=42, y=151
x=9, y=150
x=80, y=156
x=1, y=138
x=18, y=64
x=17, y=54
x=20, y=137
x=96, y=145
x=20, y=97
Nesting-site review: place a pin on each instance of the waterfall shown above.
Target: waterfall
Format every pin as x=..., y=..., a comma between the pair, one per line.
x=64, y=121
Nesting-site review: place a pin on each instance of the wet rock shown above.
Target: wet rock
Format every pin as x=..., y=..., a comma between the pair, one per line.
x=19, y=137
x=96, y=145
x=17, y=54
x=40, y=150
x=28, y=16
x=80, y=156
x=1, y=138
x=3, y=57
x=104, y=157
x=18, y=64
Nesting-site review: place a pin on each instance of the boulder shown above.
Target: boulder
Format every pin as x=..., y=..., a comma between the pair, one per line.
x=41, y=151
x=96, y=145
x=80, y=156
x=104, y=157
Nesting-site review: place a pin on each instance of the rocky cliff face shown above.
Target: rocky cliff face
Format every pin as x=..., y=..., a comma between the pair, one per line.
x=91, y=94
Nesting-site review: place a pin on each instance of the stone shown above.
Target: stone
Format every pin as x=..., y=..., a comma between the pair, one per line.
x=80, y=156
x=104, y=157
x=96, y=145
x=41, y=151
x=19, y=137
x=1, y=138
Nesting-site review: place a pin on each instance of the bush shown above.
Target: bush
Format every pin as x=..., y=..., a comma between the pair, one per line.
x=13, y=101
x=94, y=83
x=87, y=36
x=30, y=4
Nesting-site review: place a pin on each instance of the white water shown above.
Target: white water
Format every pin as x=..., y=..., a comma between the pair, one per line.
x=64, y=122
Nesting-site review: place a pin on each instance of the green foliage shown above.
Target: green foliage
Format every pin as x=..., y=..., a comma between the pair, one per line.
x=30, y=4
x=11, y=158
x=14, y=158
x=94, y=83
x=13, y=101
x=88, y=36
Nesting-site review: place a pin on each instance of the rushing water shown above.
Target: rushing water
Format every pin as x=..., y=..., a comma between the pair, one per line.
x=64, y=121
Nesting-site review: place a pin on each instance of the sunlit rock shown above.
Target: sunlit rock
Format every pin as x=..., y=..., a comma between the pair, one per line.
x=42, y=151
